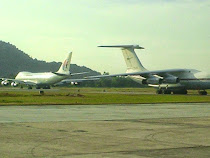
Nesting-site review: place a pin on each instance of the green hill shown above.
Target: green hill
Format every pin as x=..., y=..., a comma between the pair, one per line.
x=13, y=60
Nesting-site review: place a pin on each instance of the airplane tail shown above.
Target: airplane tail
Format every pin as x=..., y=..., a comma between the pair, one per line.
x=65, y=67
x=132, y=61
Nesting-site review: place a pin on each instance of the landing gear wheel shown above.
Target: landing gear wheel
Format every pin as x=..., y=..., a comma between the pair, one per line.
x=159, y=91
x=180, y=92
x=46, y=87
x=184, y=92
x=167, y=92
x=41, y=92
x=202, y=92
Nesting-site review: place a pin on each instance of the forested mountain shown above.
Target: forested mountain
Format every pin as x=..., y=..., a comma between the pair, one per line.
x=13, y=60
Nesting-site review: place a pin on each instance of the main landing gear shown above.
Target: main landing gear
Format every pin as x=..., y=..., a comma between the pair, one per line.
x=183, y=91
x=44, y=87
x=38, y=87
x=159, y=91
x=166, y=91
x=203, y=92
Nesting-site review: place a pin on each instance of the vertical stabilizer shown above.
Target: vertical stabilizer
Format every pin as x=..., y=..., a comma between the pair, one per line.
x=132, y=61
x=65, y=67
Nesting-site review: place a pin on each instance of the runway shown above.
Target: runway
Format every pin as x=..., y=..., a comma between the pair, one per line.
x=144, y=130
x=101, y=112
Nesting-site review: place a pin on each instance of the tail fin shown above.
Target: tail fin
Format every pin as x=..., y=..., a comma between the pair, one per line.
x=65, y=67
x=132, y=61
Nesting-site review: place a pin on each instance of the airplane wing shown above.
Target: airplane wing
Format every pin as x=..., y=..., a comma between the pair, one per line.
x=78, y=80
x=146, y=74
x=75, y=81
x=26, y=82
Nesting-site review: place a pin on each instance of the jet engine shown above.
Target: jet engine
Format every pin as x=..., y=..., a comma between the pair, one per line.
x=74, y=83
x=5, y=83
x=152, y=80
x=14, y=84
x=171, y=80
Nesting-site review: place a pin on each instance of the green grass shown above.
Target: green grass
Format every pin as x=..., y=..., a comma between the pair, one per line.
x=66, y=96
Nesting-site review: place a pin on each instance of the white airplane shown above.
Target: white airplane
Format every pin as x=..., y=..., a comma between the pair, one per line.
x=42, y=80
x=177, y=81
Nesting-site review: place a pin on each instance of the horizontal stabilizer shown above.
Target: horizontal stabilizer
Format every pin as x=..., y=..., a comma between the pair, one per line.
x=124, y=46
x=132, y=61
x=61, y=74
x=70, y=74
x=79, y=73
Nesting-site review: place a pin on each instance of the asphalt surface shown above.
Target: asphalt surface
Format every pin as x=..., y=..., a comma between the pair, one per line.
x=101, y=112
x=146, y=130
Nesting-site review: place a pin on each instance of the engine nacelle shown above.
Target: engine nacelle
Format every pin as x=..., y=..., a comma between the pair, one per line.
x=171, y=80
x=14, y=84
x=152, y=80
x=5, y=83
x=74, y=83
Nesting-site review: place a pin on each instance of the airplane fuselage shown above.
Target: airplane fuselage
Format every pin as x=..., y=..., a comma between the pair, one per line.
x=45, y=78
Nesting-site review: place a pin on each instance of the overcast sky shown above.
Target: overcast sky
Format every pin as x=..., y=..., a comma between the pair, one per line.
x=175, y=33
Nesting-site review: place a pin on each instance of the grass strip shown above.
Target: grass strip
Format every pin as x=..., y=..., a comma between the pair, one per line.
x=63, y=98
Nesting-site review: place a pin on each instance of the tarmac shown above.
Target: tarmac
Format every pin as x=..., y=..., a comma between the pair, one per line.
x=138, y=130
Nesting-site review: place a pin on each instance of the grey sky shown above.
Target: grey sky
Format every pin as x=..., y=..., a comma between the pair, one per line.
x=175, y=33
